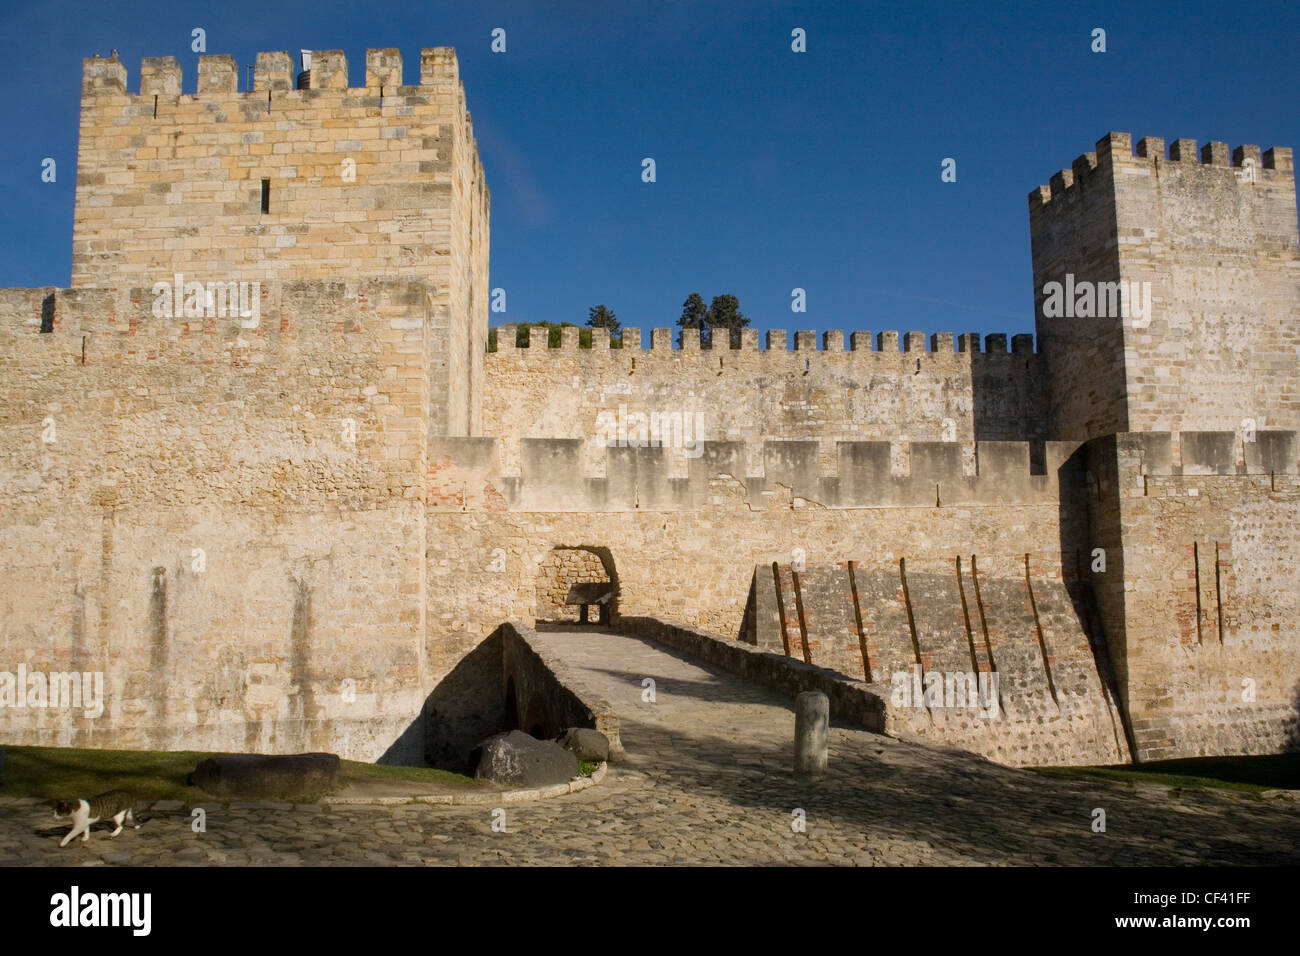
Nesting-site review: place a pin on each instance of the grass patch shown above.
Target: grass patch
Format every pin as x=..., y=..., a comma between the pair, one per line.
x=587, y=767
x=1243, y=774
x=354, y=770
x=57, y=773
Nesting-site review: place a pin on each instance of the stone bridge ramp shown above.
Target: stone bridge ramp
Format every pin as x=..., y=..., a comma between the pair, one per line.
x=994, y=655
x=707, y=780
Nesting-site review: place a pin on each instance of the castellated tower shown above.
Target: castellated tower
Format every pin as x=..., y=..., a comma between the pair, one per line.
x=278, y=184
x=1168, y=311
x=227, y=510
x=1214, y=244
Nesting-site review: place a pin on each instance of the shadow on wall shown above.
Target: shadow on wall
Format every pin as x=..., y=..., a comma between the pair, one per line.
x=300, y=636
x=1008, y=395
x=1292, y=744
x=463, y=709
x=511, y=720
x=408, y=749
x=469, y=705
x=748, y=632
x=1090, y=534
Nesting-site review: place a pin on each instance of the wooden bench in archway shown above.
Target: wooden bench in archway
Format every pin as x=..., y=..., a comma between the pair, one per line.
x=585, y=594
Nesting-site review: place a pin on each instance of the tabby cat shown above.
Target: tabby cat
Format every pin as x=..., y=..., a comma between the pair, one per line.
x=116, y=804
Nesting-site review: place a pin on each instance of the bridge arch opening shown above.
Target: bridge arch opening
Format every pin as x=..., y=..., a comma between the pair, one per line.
x=510, y=720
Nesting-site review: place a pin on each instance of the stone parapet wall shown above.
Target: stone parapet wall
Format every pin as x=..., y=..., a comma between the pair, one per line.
x=850, y=700
x=1070, y=735
x=751, y=395
x=544, y=693
x=554, y=475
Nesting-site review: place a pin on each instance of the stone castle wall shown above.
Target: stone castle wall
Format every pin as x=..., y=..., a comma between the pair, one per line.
x=686, y=549
x=1200, y=590
x=226, y=522
x=1005, y=660
x=300, y=533
x=843, y=391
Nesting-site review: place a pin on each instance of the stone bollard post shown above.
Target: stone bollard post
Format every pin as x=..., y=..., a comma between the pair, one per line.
x=812, y=711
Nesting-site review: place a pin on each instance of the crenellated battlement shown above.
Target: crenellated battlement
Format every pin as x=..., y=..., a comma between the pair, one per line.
x=555, y=475
x=1197, y=454
x=558, y=474
x=660, y=341
x=1249, y=164
x=276, y=185
x=219, y=75
x=1164, y=283
x=773, y=385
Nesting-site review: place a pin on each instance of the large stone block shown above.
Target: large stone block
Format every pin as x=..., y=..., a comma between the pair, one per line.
x=268, y=776
x=516, y=759
x=586, y=744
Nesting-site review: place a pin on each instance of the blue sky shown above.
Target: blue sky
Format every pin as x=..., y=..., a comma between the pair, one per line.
x=775, y=170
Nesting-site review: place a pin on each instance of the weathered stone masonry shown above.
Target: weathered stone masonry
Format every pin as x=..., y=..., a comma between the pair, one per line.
x=303, y=533
x=376, y=181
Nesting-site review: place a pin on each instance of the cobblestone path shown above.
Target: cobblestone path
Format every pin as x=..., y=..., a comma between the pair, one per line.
x=707, y=780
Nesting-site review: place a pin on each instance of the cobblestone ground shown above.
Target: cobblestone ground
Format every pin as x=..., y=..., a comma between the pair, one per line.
x=707, y=780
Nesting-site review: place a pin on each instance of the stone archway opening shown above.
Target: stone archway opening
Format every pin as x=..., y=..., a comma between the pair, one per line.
x=577, y=584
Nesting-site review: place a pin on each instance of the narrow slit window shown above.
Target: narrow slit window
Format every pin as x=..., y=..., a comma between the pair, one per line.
x=266, y=195
x=47, y=314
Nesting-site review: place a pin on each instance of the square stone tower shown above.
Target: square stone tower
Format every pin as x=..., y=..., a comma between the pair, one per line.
x=284, y=185
x=1167, y=293
x=1214, y=245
